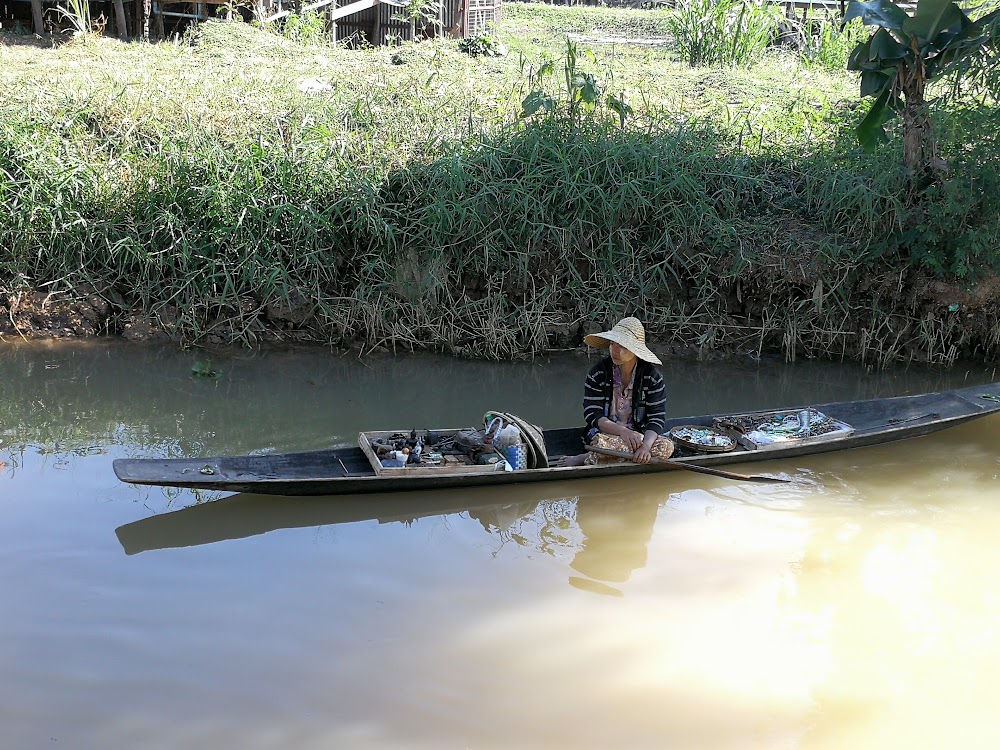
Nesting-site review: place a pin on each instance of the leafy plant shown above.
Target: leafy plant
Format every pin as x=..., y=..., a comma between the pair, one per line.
x=77, y=12
x=308, y=27
x=205, y=370
x=901, y=57
x=583, y=91
x=827, y=42
x=723, y=32
x=420, y=12
x=486, y=45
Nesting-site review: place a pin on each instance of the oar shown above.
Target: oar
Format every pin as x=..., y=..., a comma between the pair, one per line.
x=689, y=467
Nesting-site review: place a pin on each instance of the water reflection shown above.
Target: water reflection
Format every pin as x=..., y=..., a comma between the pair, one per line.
x=71, y=397
x=602, y=527
x=616, y=531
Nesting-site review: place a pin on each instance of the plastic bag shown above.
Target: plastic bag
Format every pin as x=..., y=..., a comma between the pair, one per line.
x=507, y=436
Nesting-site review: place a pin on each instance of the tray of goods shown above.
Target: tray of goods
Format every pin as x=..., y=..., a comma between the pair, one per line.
x=786, y=425
x=704, y=439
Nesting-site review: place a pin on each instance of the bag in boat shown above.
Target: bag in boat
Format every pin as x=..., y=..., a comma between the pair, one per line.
x=532, y=438
x=470, y=442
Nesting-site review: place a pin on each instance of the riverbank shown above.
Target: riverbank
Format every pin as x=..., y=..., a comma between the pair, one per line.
x=240, y=187
x=964, y=319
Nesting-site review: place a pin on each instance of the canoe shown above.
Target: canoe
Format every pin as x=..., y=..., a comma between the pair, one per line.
x=350, y=470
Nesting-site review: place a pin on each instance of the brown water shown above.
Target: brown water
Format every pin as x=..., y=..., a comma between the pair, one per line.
x=857, y=607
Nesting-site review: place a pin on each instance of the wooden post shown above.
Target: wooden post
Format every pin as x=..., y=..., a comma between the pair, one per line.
x=36, y=16
x=377, y=26
x=120, y=20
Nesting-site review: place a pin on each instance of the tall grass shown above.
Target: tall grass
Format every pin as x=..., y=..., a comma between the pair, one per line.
x=411, y=206
x=723, y=32
x=825, y=42
x=77, y=14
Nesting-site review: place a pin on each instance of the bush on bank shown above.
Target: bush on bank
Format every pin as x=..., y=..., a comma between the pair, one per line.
x=409, y=212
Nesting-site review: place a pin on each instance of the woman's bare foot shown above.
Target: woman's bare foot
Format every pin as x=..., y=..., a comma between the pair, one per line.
x=571, y=460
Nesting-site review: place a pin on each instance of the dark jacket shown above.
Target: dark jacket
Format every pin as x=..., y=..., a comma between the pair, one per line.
x=649, y=399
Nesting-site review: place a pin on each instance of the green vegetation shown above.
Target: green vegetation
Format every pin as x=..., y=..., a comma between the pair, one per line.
x=903, y=56
x=724, y=32
x=205, y=370
x=242, y=183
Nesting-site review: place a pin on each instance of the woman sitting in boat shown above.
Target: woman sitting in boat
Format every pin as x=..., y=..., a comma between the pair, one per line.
x=624, y=398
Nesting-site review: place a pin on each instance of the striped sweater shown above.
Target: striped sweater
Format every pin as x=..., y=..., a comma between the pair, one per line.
x=649, y=400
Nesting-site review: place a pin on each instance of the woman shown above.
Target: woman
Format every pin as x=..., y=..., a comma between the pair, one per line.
x=624, y=399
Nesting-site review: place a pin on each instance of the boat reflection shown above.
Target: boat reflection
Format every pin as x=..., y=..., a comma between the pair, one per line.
x=601, y=527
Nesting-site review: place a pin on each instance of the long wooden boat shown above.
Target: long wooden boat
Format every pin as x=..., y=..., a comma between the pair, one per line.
x=351, y=471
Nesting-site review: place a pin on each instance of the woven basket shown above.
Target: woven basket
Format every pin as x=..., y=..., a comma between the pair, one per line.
x=700, y=447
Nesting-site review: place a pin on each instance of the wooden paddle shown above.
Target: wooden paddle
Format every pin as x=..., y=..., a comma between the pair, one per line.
x=689, y=467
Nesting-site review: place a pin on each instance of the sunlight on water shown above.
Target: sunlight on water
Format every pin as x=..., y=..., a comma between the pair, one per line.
x=857, y=606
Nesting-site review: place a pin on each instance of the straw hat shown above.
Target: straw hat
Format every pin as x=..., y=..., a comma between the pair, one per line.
x=628, y=333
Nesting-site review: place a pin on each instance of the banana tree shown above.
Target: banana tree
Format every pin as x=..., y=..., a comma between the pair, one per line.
x=902, y=56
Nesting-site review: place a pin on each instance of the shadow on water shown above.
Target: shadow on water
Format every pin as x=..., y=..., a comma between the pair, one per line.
x=604, y=526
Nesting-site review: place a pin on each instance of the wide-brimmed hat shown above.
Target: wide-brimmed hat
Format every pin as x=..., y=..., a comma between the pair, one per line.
x=628, y=333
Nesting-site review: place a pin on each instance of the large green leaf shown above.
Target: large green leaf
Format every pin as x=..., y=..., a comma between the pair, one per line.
x=860, y=57
x=874, y=81
x=879, y=52
x=973, y=29
x=886, y=49
x=958, y=43
x=882, y=13
x=871, y=131
x=932, y=17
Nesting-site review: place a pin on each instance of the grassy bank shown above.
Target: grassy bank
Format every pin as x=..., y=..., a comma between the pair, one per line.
x=237, y=186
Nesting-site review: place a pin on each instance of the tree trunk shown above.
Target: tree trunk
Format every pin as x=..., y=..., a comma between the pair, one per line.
x=920, y=152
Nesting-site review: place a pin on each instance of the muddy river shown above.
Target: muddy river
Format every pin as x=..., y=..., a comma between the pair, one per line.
x=856, y=607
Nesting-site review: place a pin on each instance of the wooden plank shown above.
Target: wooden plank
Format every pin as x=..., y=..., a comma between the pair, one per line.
x=450, y=464
x=350, y=10
x=364, y=442
x=346, y=10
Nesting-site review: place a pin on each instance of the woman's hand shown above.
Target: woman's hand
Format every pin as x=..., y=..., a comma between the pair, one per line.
x=645, y=450
x=633, y=440
x=642, y=455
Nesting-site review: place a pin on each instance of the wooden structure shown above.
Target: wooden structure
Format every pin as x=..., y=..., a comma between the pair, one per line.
x=372, y=22
x=113, y=17
x=350, y=470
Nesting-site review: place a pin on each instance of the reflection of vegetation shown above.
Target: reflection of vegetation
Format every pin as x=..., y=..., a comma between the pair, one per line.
x=78, y=399
x=73, y=399
x=205, y=370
